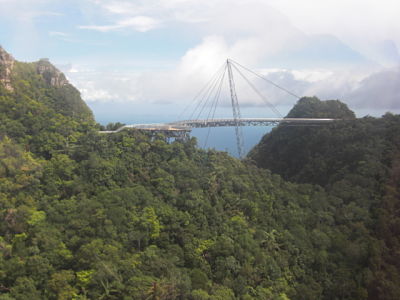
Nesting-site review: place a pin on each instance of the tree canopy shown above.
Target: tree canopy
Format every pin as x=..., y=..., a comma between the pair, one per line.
x=132, y=216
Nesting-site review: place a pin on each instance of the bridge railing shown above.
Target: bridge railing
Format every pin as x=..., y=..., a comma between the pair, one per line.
x=187, y=125
x=248, y=122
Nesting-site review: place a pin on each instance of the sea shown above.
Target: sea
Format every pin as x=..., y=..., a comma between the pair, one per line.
x=218, y=138
x=224, y=138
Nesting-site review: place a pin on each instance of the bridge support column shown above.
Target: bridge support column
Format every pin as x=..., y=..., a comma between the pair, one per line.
x=236, y=111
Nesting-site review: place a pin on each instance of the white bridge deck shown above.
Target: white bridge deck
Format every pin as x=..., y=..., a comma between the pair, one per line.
x=187, y=125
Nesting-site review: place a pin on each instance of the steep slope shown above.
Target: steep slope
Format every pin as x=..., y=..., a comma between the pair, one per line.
x=322, y=154
x=128, y=216
x=355, y=161
x=312, y=107
x=38, y=107
x=131, y=216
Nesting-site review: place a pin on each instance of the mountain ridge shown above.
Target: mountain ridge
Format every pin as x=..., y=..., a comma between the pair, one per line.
x=6, y=66
x=356, y=161
x=134, y=216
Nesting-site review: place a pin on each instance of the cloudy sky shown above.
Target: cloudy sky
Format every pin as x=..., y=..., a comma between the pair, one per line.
x=153, y=56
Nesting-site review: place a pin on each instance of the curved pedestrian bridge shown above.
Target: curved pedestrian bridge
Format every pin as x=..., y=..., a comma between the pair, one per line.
x=188, y=125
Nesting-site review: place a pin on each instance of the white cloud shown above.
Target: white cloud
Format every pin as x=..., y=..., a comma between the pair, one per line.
x=97, y=86
x=351, y=20
x=179, y=85
x=261, y=34
x=362, y=24
x=26, y=10
x=58, y=34
x=379, y=88
x=139, y=23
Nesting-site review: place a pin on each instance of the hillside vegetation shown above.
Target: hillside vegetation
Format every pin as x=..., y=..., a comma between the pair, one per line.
x=354, y=160
x=129, y=216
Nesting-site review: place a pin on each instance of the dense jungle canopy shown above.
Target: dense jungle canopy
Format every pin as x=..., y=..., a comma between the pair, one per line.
x=312, y=213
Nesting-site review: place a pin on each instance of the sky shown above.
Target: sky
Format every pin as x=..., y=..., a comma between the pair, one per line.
x=149, y=58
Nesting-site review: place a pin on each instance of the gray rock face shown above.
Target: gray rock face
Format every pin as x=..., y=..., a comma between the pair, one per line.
x=50, y=73
x=6, y=66
x=43, y=67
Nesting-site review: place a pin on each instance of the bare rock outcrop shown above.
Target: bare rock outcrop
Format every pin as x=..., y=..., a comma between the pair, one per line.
x=6, y=66
x=50, y=73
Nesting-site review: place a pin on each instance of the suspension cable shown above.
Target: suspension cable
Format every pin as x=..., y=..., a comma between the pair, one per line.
x=271, y=106
x=213, y=109
x=267, y=80
x=211, y=92
x=205, y=87
x=217, y=95
x=206, y=95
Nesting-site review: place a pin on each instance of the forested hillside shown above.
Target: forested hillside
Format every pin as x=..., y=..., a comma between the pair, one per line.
x=39, y=109
x=130, y=216
x=355, y=160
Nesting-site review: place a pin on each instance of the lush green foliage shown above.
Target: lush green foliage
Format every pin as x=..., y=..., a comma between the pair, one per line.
x=111, y=126
x=312, y=107
x=356, y=161
x=42, y=117
x=131, y=216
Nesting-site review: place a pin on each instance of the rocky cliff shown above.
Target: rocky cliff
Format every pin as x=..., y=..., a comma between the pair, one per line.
x=50, y=73
x=42, y=90
x=6, y=66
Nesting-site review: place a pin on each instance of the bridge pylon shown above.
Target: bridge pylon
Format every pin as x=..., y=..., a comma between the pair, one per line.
x=210, y=95
x=236, y=111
